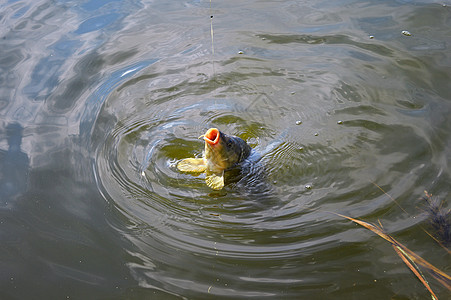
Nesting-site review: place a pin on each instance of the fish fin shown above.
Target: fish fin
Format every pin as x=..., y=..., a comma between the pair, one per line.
x=215, y=180
x=192, y=165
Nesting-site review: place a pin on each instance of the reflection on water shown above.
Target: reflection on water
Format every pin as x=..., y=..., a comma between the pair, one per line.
x=331, y=95
x=14, y=165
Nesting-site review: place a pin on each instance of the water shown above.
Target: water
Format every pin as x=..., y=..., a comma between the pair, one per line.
x=100, y=99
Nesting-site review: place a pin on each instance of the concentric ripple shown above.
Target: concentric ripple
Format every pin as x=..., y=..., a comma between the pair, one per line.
x=327, y=143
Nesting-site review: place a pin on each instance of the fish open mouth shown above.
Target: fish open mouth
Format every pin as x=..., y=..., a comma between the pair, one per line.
x=212, y=136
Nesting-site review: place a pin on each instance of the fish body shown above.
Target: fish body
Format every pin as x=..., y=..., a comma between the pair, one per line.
x=222, y=152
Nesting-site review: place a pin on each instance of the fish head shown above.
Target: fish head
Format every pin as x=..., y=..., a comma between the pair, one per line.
x=223, y=151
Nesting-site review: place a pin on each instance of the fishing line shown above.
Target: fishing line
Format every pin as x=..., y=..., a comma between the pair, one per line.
x=212, y=41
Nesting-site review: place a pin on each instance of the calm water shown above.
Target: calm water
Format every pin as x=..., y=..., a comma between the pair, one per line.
x=99, y=99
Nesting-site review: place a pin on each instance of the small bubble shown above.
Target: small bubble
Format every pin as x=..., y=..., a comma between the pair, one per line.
x=308, y=186
x=240, y=52
x=371, y=36
x=292, y=93
x=406, y=33
x=298, y=122
x=275, y=182
x=316, y=133
x=339, y=122
x=301, y=148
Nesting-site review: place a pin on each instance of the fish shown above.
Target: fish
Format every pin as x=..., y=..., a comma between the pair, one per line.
x=222, y=152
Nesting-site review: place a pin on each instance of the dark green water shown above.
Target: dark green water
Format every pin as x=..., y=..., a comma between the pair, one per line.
x=100, y=99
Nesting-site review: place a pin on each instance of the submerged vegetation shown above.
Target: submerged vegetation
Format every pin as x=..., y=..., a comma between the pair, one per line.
x=439, y=219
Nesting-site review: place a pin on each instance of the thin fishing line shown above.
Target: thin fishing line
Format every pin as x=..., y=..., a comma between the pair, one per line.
x=212, y=41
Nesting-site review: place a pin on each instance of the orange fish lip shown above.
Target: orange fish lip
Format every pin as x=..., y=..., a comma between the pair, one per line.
x=212, y=136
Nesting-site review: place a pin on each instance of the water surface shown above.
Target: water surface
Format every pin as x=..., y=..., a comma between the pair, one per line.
x=100, y=99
